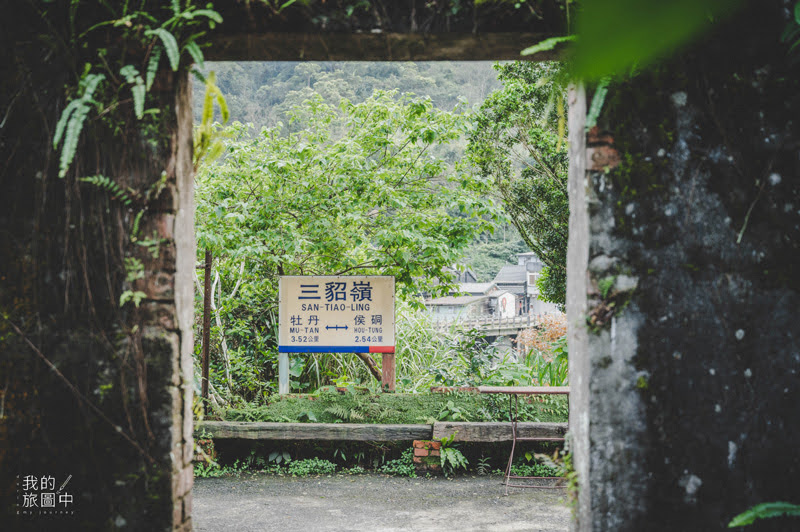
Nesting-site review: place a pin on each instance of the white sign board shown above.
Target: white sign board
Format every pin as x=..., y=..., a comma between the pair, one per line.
x=336, y=314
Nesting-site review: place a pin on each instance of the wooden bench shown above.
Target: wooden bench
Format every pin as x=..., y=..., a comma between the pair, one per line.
x=477, y=432
x=488, y=432
x=312, y=431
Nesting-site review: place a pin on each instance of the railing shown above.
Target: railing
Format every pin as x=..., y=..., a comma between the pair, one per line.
x=489, y=321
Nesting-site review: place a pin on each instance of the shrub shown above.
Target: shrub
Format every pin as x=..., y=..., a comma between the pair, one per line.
x=401, y=467
x=310, y=466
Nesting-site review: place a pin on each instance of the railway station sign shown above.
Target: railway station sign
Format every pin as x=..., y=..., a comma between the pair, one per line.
x=336, y=314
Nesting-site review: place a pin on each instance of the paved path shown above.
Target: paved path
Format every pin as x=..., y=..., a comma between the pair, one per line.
x=373, y=503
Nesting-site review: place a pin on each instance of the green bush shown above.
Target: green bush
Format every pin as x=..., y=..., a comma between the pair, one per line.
x=310, y=466
x=401, y=467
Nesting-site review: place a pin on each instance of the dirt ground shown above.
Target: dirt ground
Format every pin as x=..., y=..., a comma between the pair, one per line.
x=254, y=502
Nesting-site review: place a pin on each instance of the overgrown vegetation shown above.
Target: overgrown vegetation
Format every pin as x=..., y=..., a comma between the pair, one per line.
x=330, y=406
x=518, y=142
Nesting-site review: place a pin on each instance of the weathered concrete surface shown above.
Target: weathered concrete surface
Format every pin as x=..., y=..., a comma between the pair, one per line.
x=373, y=503
x=114, y=416
x=412, y=30
x=692, y=342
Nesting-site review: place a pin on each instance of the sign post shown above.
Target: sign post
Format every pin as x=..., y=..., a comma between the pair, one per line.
x=336, y=314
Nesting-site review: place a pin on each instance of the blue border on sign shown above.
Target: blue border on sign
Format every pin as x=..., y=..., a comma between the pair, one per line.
x=323, y=349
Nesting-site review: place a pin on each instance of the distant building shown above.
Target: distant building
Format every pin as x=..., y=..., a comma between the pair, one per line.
x=520, y=280
x=473, y=300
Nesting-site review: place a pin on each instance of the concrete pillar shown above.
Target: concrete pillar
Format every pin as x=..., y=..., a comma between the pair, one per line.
x=684, y=241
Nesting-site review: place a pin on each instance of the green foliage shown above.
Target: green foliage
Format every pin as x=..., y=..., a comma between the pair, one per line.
x=72, y=118
x=451, y=412
x=614, y=37
x=168, y=29
x=264, y=93
x=278, y=457
x=451, y=458
x=547, y=44
x=400, y=467
x=310, y=466
x=332, y=407
x=484, y=466
x=791, y=34
x=534, y=470
x=518, y=144
x=213, y=469
x=550, y=370
x=110, y=186
x=138, y=89
x=765, y=511
x=135, y=297
x=207, y=143
x=598, y=100
x=355, y=190
x=490, y=252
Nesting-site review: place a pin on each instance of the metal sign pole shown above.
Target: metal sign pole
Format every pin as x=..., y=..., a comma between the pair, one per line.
x=283, y=373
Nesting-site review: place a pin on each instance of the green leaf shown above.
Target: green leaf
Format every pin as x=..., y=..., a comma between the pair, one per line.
x=547, y=44
x=129, y=295
x=152, y=66
x=765, y=511
x=132, y=76
x=170, y=45
x=597, y=103
x=62, y=122
x=797, y=12
x=195, y=52
x=210, y=14
x=615, y=35
x=76, y=116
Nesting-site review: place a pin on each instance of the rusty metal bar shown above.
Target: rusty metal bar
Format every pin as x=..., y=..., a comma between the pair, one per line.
x=206, y=329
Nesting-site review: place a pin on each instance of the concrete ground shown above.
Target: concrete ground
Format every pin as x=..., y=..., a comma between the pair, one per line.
x=255, y=502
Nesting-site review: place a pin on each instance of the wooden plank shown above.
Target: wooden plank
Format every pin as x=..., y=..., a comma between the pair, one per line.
x=312, y=431
x=496, y=431
x=525, y=390
x=388, y=370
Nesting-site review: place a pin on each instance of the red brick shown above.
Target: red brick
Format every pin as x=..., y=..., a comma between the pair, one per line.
x=434, y=452
x=419, y=444
x=420, y=452
x=602, y=157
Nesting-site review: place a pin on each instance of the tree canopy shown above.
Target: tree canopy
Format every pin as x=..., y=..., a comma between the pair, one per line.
x=518, y=143
x=351, y=190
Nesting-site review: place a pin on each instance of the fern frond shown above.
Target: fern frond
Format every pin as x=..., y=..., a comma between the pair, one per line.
x=212, y=16
x=196, y=53
x=62, y=122
x=170, y=45
x=223, y=105
x=208, y=99
x=73, y=116
x=110, y=186
x=152, y=66
x=132, y=76
x=341, y=412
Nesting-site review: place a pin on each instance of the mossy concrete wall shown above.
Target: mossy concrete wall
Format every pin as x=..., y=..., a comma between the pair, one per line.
x=94, y=394
x=687, y=351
